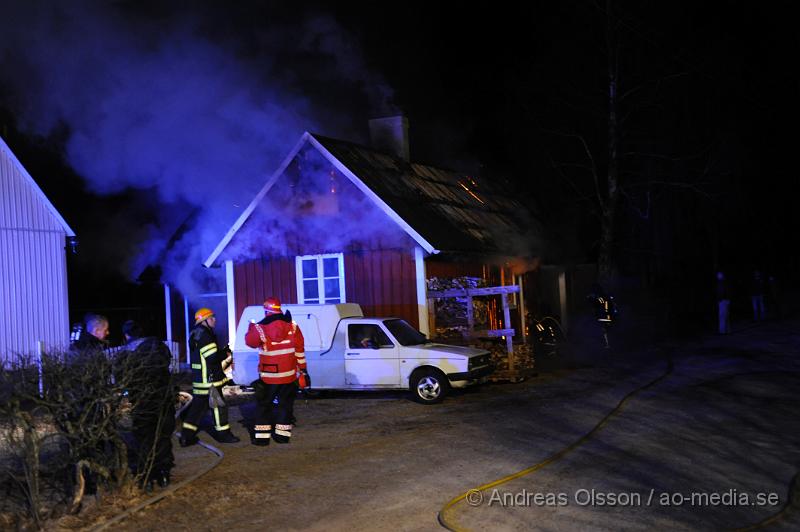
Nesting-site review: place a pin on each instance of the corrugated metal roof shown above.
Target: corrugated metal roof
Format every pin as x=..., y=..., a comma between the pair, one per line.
x=442, y=210
x=454, y=211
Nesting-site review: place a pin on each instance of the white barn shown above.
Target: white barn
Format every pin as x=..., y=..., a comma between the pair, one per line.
x=33, y=264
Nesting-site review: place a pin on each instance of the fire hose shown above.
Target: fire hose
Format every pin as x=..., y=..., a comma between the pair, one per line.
x=449, y=523
x=172, y=487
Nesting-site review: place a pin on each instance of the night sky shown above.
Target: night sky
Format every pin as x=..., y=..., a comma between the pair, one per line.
x=133, y=115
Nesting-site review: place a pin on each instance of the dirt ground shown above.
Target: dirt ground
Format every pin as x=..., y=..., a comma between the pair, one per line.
x=725, y=421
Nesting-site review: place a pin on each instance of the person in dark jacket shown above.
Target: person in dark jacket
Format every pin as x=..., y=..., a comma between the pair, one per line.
x=82, y=387
x=723, y=304
x=143, y=368
x=92, y=337
x=774, y=302
x=605, y=309
x=757, y=296
x=209, y=362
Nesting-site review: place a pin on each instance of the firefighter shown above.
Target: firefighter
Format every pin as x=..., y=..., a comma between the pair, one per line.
x=605, y=309
x=281, y=363
x=209, y=362
x=143, y=367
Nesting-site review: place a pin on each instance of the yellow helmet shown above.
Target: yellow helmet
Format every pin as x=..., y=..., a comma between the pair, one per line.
x=202, y=315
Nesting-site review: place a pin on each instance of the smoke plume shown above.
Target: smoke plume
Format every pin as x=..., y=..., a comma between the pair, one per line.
x=196, y=107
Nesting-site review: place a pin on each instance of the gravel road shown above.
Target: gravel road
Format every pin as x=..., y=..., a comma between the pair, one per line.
x=680, y=455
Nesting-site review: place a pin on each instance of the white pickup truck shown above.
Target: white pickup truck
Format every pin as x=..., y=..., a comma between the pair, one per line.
x=346, y=351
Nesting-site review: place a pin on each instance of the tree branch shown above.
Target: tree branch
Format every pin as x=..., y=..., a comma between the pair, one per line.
x=592, y=168
x=677, y=184
x=557, y=167
x=645, y=215
x=657, y=83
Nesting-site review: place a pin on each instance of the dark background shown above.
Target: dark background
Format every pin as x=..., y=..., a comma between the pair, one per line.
x=511, y=91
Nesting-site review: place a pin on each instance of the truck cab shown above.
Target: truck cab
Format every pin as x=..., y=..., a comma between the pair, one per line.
x=347, y=351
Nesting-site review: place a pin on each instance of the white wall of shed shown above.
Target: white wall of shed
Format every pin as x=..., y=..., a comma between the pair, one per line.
x=33, y=267
x=33, y=289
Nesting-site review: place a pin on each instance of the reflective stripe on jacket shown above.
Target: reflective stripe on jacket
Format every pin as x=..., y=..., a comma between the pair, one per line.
x=206, y=359
x=281, y=349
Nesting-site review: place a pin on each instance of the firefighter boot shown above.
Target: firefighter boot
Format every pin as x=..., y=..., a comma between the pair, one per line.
x=146, y=484
x=163, y=478
x=188, y=439
x=261, y=442
x=224, y=436
x=261, y=434
x=283, y=433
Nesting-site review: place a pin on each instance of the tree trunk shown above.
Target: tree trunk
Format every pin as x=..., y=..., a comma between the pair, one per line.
x=609, y=205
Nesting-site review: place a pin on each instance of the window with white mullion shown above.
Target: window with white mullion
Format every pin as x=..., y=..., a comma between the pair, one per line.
x=320, y=279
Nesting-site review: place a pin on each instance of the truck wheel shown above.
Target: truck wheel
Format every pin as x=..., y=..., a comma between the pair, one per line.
x=428, y=386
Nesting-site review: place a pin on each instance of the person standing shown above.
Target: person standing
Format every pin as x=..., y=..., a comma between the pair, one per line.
x=93, y=338
x=774, y=301
x=208, y=377
x=605, y=309
x=757, y=296
x=281, y=362
x=84, y=419
x=143, y=367
x=723, y=304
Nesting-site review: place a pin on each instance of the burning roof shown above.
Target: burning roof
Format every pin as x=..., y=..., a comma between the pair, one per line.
x=453, y=211
x=443, y=210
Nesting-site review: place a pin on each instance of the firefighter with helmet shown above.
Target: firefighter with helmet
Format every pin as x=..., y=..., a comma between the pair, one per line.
x=605, y=309
x=281, y=369
x=209, y=362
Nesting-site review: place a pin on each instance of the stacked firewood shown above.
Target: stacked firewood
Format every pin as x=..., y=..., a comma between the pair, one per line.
x=451, y=312
x=523, y=356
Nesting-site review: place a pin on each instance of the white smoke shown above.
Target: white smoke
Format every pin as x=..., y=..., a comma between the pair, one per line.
x=313, y=209
x=151, y=103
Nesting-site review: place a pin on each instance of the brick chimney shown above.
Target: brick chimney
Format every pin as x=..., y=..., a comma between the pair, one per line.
x=390, y=135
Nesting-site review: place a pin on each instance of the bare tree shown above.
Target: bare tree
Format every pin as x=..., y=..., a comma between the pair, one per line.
x=640, y=154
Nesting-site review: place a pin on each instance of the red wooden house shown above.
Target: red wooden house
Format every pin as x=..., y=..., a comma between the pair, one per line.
x=340, y=222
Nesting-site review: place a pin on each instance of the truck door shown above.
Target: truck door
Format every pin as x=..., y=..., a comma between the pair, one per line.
x=371, y=357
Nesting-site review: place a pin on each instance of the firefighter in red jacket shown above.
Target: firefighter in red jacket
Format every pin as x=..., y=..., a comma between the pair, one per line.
x=208, y=373
x=281, y=362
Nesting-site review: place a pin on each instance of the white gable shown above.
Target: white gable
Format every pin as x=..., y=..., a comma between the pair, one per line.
x=307, y=137
x=23, y=205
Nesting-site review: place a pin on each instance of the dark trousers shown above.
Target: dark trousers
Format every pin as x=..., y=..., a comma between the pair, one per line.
x=153, y=424
x=275, y=412
x=197, y=409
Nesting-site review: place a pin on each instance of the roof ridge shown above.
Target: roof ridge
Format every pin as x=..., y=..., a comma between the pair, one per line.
x=37, y=189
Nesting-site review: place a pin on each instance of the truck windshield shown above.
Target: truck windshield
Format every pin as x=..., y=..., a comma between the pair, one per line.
x=405, y=333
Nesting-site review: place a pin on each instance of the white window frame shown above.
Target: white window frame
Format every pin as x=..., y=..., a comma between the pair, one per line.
x=298, y=264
